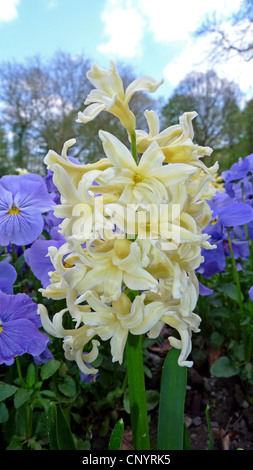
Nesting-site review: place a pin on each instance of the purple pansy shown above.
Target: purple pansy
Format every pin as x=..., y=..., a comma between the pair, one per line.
x=8, y=276
x=23, y=200
x=19, y=328
x=214, y=260
x=36, y=257
x=45, y=356
x=250, y=292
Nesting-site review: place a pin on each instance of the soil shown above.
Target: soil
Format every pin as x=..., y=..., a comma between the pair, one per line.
x=230, y=403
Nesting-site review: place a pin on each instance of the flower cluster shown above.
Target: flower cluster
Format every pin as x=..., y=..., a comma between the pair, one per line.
x=133, y=226
x=232, y=216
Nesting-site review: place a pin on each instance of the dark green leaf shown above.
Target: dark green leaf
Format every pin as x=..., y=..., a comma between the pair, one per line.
x=67, y=387
x=4, y=414
x=49, y=368
x=116, y=436
x=65, y=436
x=223, y=368
x=20, y=263
x=172, y=402
x=216, y=340
x=21, y=397
x=52, y=427
x=31, y=375
x=152, y=399
x=230, y=290
x=187, y=441
x=59, y=433
x=6, y=391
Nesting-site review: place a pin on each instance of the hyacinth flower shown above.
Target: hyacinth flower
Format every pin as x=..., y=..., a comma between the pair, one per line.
x=23, y=200
x=176, y=142
x=109, y=95
x=122, y=276
x=19, y=328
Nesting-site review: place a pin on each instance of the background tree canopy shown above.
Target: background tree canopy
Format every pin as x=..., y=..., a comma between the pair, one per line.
x=40, y=101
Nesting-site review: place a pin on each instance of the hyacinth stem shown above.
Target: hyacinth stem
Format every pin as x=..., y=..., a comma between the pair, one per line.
x=137, y=392
x=134, y=148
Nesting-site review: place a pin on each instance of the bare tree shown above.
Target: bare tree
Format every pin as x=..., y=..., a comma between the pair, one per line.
x=41, y=101
x=229, y=36
x=216, y=102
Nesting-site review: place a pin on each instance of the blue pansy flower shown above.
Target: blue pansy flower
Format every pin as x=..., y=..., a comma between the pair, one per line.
x=23, y=200
x=8, y=276
x=19, y=328
x=45, y=356
x=36, y=257
x=226, y=214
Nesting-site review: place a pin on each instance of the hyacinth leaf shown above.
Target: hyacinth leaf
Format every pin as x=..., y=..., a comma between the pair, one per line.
x=187, y=440
x=59, y=432
x=116, y=436
x=171, y=430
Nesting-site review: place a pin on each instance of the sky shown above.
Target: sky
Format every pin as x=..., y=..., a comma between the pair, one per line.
x=154, y=37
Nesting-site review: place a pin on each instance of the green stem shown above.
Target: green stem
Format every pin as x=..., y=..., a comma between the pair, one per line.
x=236, y=277
x=134, y=148
x=246, y=340
x=21, y=380
x=137, y=392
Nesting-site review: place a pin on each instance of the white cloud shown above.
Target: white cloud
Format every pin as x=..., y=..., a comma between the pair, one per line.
x=124, y=27
x=195, y=58
x=126, y=21
x=172, y=21
x=8, y=10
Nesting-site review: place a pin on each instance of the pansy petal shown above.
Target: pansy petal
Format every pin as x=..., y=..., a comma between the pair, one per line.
x=235, y=214
x=26, y=226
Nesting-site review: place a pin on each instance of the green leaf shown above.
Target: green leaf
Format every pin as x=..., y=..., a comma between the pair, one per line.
x=15, y=443
x=223, y=368
x=116, y=436
x=152, y=399
x=187, y=440
x=4, y=414
x=49, y=368
x=7, y=391
x=52, y=427
x=21, y=397
x=172, y=403
x=19, y=263
x=31, y=375
x=59, y=432
x=230, y=289
x=67, y=387
x=216, y=340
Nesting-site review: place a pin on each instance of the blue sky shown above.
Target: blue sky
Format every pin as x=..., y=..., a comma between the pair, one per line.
x=153, y=36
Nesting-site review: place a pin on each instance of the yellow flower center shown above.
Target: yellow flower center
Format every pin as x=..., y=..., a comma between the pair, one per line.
x=14, y=210
x=214, y=221
x=137, y=178
x=67, y=265
x=122, y=247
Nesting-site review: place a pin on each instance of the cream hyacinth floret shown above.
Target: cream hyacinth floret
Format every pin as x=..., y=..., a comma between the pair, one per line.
x=134, y=228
